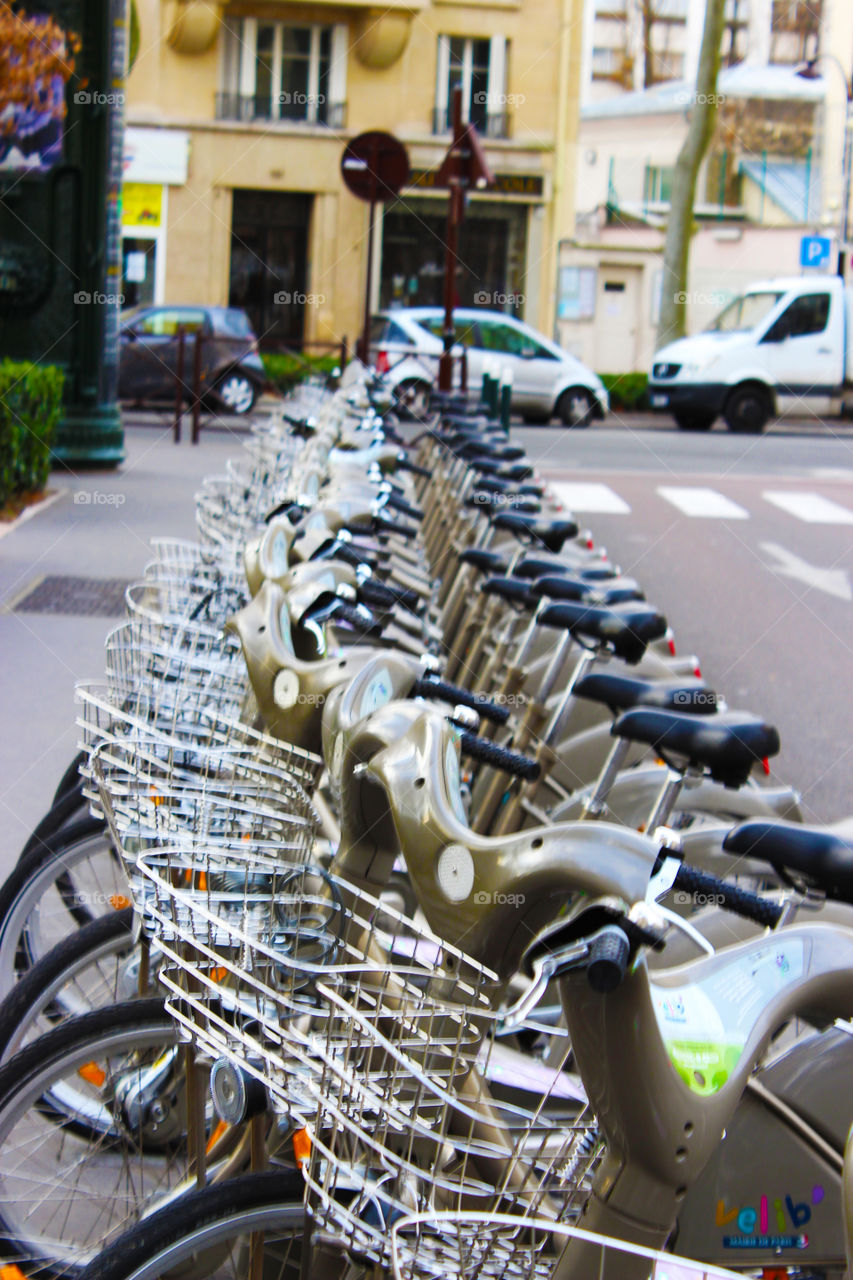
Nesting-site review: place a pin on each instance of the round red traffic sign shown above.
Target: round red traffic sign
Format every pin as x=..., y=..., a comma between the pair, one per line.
x=375, y=166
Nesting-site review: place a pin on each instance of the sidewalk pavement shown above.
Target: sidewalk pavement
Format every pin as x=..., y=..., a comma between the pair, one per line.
x=98, y=526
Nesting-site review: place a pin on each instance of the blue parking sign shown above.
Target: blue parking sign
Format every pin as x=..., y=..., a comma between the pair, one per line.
x=815, y=251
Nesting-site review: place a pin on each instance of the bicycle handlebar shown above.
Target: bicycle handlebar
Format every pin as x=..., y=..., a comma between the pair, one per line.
x=500, y=757
x=426, y=688
x=741, y=901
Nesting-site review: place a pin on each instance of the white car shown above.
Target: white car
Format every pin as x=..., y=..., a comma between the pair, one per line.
x=547, y=382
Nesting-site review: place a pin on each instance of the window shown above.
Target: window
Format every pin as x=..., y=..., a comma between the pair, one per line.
x=275, y=71
x=805, y=316
x=577, y=293
x=478, y=68
x=165, y=323
x=506, y=340
x=464, y=331
x=384, y=331
x=657, y=184
x=745, y=312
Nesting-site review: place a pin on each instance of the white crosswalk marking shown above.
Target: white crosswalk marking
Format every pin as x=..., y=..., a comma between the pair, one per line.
x=706, y=503
x=810, y=507
x=590, y=497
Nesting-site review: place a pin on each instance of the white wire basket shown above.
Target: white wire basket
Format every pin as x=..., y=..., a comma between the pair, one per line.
x=426, y=1246
x=181, y=561
x=165, y=606
x=177, y=676
x=225, y=518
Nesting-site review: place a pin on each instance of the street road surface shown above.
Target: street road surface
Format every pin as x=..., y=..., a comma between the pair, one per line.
x=746, y=543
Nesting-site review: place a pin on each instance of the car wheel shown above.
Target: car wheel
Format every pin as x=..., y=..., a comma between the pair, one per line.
x=413, y=399
x=694, y=421
x=237, y=392
x=575, y=407
x=747, y=410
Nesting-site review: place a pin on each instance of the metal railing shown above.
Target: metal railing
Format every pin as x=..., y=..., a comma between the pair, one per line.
x=492, y=124
x=283, y=108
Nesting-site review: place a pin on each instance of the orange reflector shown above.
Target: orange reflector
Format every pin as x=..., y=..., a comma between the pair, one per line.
x=301, y=1145
x=766, y=763
x=92, y=1074
x=218, y=974
x=156, y=798
x=202, y=879
x=11, y=1272
x=118, y=902
x=212, y=1140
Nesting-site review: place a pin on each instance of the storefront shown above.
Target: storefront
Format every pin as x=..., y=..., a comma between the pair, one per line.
x=494, y=247
x=269, y=262
x=154, y=160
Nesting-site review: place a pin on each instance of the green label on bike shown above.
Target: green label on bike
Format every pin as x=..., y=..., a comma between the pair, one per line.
x=706, y=1024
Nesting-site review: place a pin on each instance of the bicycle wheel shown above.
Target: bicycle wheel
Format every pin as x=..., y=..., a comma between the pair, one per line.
x=69, y=879
x=92, y=1134
x=209, y=1234
x=96, y=966
x=65, y=809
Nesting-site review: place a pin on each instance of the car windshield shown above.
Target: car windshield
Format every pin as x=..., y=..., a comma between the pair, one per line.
x=232, y=323
x=464, y=330
x=744, y=313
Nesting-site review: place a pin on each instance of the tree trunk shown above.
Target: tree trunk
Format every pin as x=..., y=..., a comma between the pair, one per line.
x=703, y=114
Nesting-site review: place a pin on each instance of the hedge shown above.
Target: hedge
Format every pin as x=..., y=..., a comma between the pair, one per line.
x=285, y=371
x=30, y=405
x=627, y=391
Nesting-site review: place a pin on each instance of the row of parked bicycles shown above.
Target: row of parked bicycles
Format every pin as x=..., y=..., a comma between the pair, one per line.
x=413, y=908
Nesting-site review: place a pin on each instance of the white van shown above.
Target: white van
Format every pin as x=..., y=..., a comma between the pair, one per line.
x=782, y=347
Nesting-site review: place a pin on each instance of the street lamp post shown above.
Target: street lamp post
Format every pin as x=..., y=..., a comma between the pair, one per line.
x=810, y=72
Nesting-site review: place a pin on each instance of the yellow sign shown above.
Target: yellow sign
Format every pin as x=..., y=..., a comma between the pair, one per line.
x=142, y=204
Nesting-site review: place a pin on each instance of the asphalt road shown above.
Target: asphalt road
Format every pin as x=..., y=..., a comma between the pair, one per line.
x=747, y=546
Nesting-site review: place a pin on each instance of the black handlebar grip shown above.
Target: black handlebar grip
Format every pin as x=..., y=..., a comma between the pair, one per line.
x=405, y=508
x=404, y=464
x=427, y=688
x=292, y=510
x=609, y=953
x=499, y=757
x=384, y=525
x=359, y=618
x=741, y=901
x=379, y=593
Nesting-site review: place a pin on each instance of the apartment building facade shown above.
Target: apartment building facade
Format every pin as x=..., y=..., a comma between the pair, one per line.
x=238, y=115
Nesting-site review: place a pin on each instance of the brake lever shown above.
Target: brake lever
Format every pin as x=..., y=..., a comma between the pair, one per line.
x=545, y=968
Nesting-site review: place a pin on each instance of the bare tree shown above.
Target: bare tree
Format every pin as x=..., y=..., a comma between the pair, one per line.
x=703, y=114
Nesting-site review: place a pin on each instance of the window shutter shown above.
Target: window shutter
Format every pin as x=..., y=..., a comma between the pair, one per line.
x=338, y=68
x=442, y=76
x=497, y=75
x=248, y=51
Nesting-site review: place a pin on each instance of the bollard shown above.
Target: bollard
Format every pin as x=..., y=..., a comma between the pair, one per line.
x=196, y=431
x=506, y=397
x=179, y=385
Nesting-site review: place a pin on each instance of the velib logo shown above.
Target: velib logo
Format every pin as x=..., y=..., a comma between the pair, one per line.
x=775, y=1223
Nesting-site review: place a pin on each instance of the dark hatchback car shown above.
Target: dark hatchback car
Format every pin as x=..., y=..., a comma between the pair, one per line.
x=232, y=372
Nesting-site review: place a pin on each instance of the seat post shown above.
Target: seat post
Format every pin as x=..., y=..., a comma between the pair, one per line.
x=668, y=796
x=557, y=722
x=595, y=806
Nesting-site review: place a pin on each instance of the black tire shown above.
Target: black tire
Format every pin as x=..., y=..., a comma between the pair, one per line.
x=28, y=1087
x=236, y=392
x=575, y=407
x=53, y=852
x=68, y=807
x=228, y=1204
x=747, y=410
x=71, y=776
x=109, y=932
x=694, y=421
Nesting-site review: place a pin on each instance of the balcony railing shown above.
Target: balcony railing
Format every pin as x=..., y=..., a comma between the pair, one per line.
x=493, y=124
x=286, y=108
